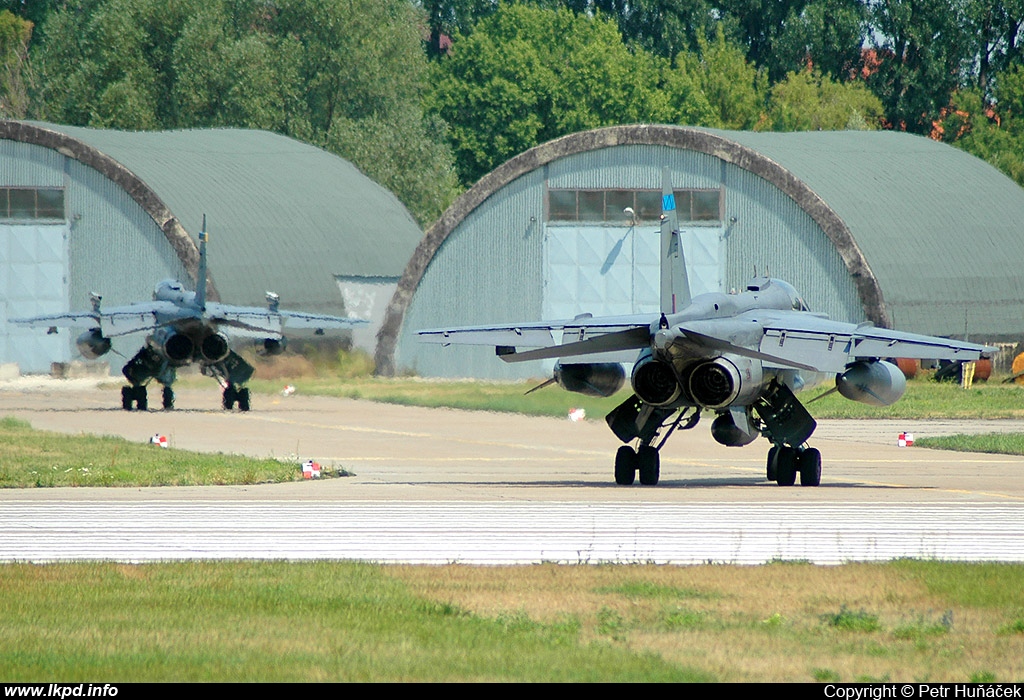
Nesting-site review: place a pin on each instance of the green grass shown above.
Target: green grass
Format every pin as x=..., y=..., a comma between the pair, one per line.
x=928, y=399
x=646, y=589
x=31, y=457
x=279, y=622
x=505, y=397
x=349, y=621
x=924, y=626
x=923, y=399
x=978, y=585
x=850, y=620
x=993, y=443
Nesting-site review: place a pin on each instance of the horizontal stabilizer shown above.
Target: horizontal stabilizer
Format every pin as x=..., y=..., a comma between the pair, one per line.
x=631, y=339
x=725, y=346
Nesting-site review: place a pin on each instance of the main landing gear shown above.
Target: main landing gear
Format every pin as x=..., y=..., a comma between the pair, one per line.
x=147, y=365
x=137, y=397
x=646, y=460
x=134, y=397
x=784, y=463
x=231, y=373
x=234, y=394
x=634, y=421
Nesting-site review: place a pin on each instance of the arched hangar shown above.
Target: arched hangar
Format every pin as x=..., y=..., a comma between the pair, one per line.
x=882, y=226
x=87, y=210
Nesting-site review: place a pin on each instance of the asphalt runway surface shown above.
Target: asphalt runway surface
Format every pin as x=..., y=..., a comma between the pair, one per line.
x=437, y=485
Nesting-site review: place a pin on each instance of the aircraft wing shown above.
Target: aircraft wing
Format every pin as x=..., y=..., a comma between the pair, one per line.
x=583, y=335
x=297, y=319
x=114, y=321
x=830, y=346
x=255, y=319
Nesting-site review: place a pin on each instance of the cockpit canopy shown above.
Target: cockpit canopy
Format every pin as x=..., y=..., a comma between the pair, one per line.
x=794, y=296
x=171, y=290
x=760, y=284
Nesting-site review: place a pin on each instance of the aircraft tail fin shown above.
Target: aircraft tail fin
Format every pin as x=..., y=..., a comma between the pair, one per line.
x=201, y=272
x=675, y=284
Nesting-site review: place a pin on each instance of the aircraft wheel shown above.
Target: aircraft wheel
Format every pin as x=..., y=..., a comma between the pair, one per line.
x=625, y=466
x=773, y=462
x=230, y=396
x=810, y=467
x=127, y=397
x=168, y=398
x=141, y=398
x=243, y=399
x=649, y=461
x=786, y=466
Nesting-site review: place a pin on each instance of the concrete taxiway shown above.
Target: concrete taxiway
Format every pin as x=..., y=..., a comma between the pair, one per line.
x=446, y=485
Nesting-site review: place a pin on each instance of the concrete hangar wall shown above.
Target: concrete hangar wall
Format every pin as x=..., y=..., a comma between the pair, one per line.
x=85, y=210
x=881, y=226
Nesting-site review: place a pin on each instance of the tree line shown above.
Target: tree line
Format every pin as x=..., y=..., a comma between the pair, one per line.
x=426, y=97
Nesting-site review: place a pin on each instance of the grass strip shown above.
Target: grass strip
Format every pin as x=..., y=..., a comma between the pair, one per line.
x=278, y=622
x=923, y=399
x=993, y=443
x=30, y=457
x=925, y=621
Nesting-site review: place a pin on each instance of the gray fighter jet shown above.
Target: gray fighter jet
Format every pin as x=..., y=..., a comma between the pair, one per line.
x=184, y=328
x=741, y=356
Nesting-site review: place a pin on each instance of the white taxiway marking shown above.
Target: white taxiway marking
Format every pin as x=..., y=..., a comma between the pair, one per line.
x=510, y=533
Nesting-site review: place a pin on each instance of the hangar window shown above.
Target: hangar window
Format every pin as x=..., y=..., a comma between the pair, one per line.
x=609, y=205
x=32, y=203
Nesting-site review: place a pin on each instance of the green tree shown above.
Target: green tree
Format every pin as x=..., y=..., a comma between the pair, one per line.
x=15, y=34
x=1009, y=96
x=110, y=65
x=923, y=54
x=663, y=27
x=827, y=35
x=735, y=90
x=997, y=29
x=810, y=101
x=237, y=73
x=994, y=133
x=526, y=75
x=451, y=18
x=758, y=24
x=35, y=11
x=364, y=73
x=324, y=71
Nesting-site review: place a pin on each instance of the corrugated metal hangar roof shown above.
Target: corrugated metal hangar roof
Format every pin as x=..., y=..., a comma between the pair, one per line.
x=277, y=209
x=897, y=229
x=936, y=224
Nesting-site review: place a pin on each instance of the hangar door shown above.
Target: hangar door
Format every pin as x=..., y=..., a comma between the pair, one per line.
x=611, y=271
x=33, y=281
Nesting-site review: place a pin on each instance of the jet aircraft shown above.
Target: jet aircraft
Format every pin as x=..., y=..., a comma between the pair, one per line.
x=741, y=356
x=185, y=328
